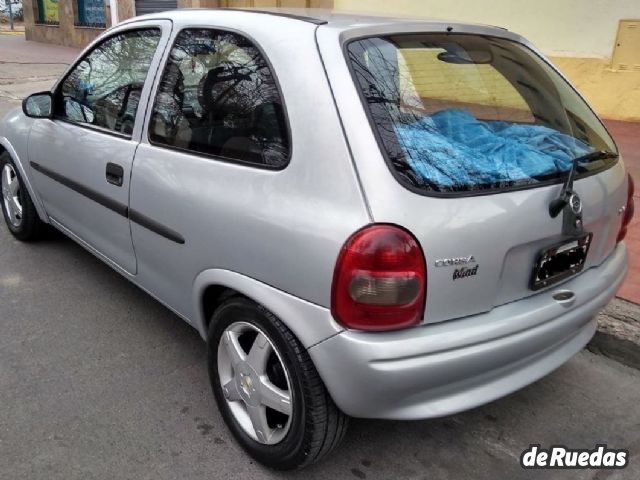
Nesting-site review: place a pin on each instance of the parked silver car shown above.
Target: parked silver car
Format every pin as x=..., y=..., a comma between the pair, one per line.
x=363, y=216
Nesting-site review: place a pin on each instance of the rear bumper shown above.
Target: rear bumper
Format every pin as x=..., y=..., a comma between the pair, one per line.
x=441, y=369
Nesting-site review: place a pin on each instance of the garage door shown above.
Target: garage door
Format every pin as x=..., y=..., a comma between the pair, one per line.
x=152, y=6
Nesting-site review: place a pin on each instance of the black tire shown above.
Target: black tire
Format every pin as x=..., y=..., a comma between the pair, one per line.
x=317, y=425
x=30, y=227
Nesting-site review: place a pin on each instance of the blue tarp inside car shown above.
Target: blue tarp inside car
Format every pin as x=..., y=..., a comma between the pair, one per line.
x=452, y=147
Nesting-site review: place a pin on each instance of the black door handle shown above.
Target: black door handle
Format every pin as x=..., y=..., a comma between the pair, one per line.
x=115, y=174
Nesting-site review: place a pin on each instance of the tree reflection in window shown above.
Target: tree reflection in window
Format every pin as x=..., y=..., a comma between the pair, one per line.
x=458, y=112
x=104, y=88
x=218, y=96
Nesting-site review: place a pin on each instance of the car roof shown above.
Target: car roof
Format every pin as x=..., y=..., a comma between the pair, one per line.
x=334, y=19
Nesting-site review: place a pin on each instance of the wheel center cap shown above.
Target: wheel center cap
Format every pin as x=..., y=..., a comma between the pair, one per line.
x=247, y=383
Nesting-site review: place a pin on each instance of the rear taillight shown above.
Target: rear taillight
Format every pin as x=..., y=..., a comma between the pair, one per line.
x=379, y=281
x=628, y=211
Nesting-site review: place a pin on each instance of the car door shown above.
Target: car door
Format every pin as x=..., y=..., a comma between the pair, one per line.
x=81, y=159
x=217, y=132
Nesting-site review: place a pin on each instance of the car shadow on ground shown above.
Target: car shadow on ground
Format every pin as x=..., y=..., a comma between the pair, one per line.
x=134, y=353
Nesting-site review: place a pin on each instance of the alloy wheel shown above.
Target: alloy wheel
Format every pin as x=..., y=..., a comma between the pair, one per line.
x=255, y=383
x=11, y=195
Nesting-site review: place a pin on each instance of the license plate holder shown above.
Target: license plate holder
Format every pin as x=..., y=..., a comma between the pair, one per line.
x=560, y=261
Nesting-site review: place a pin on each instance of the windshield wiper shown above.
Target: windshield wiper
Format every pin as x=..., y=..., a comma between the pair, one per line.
x=556, y=206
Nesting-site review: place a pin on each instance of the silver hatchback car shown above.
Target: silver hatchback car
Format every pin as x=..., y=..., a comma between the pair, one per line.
x=363, y=216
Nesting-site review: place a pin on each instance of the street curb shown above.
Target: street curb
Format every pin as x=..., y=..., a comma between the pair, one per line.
x=618, y=335
x=618, y=349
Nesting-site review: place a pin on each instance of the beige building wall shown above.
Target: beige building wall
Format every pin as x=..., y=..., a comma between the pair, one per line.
x=65, y=33
x=574, y=28
x=578, y=35
x=612, y=94
x=126, y=9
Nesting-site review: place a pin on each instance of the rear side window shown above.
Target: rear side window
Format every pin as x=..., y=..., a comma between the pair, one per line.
x=464, y=113
x=218, y=96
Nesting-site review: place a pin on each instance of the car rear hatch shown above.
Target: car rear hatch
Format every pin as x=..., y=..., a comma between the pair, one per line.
x=476, y=135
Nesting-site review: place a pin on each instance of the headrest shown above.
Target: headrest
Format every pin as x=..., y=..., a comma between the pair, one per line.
x=207, y=86
x=173, y=81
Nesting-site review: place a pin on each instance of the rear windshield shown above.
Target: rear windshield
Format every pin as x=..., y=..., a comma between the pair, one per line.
x=460, y=113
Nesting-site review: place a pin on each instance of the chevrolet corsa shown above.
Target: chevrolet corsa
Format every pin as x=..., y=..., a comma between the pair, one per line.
x=363, y=216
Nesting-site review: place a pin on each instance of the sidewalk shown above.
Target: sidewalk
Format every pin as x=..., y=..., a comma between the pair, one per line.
x=27, y=67
x=17, y=49
x=8, y=31
x=627, y=136
x=18, y=29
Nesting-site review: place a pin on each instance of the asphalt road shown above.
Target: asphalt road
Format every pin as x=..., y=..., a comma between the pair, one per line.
x=28, y=67
x=99, y=381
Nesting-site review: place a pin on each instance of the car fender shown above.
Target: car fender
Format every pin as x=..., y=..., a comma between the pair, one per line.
x=25, y=172
x=309, y=322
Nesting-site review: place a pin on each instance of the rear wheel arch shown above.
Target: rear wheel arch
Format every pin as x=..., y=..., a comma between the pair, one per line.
x=310, y=323
x=212, y=297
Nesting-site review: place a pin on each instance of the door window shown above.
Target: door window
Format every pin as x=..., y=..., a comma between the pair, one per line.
x=104, y=89
x=219, y=97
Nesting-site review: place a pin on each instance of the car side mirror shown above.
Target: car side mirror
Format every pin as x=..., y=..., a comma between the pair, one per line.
x=38, y=105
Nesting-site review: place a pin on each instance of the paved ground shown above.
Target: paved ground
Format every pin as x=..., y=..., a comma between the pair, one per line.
x=28, y=67
x=627, y=135
x=5, y=28
x=97, y=380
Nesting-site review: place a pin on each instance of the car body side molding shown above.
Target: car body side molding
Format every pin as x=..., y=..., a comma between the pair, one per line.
x=117, y=207
x=91, y=194
x=155, y=227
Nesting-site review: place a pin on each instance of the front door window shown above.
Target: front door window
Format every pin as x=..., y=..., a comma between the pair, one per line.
x=104, y=89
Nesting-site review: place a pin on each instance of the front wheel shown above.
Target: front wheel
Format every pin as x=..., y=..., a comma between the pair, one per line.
x=268, y=390
x=19, y=212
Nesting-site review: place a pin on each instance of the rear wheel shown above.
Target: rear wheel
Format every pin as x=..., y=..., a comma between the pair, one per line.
x=19, y=212
x=267, y=388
